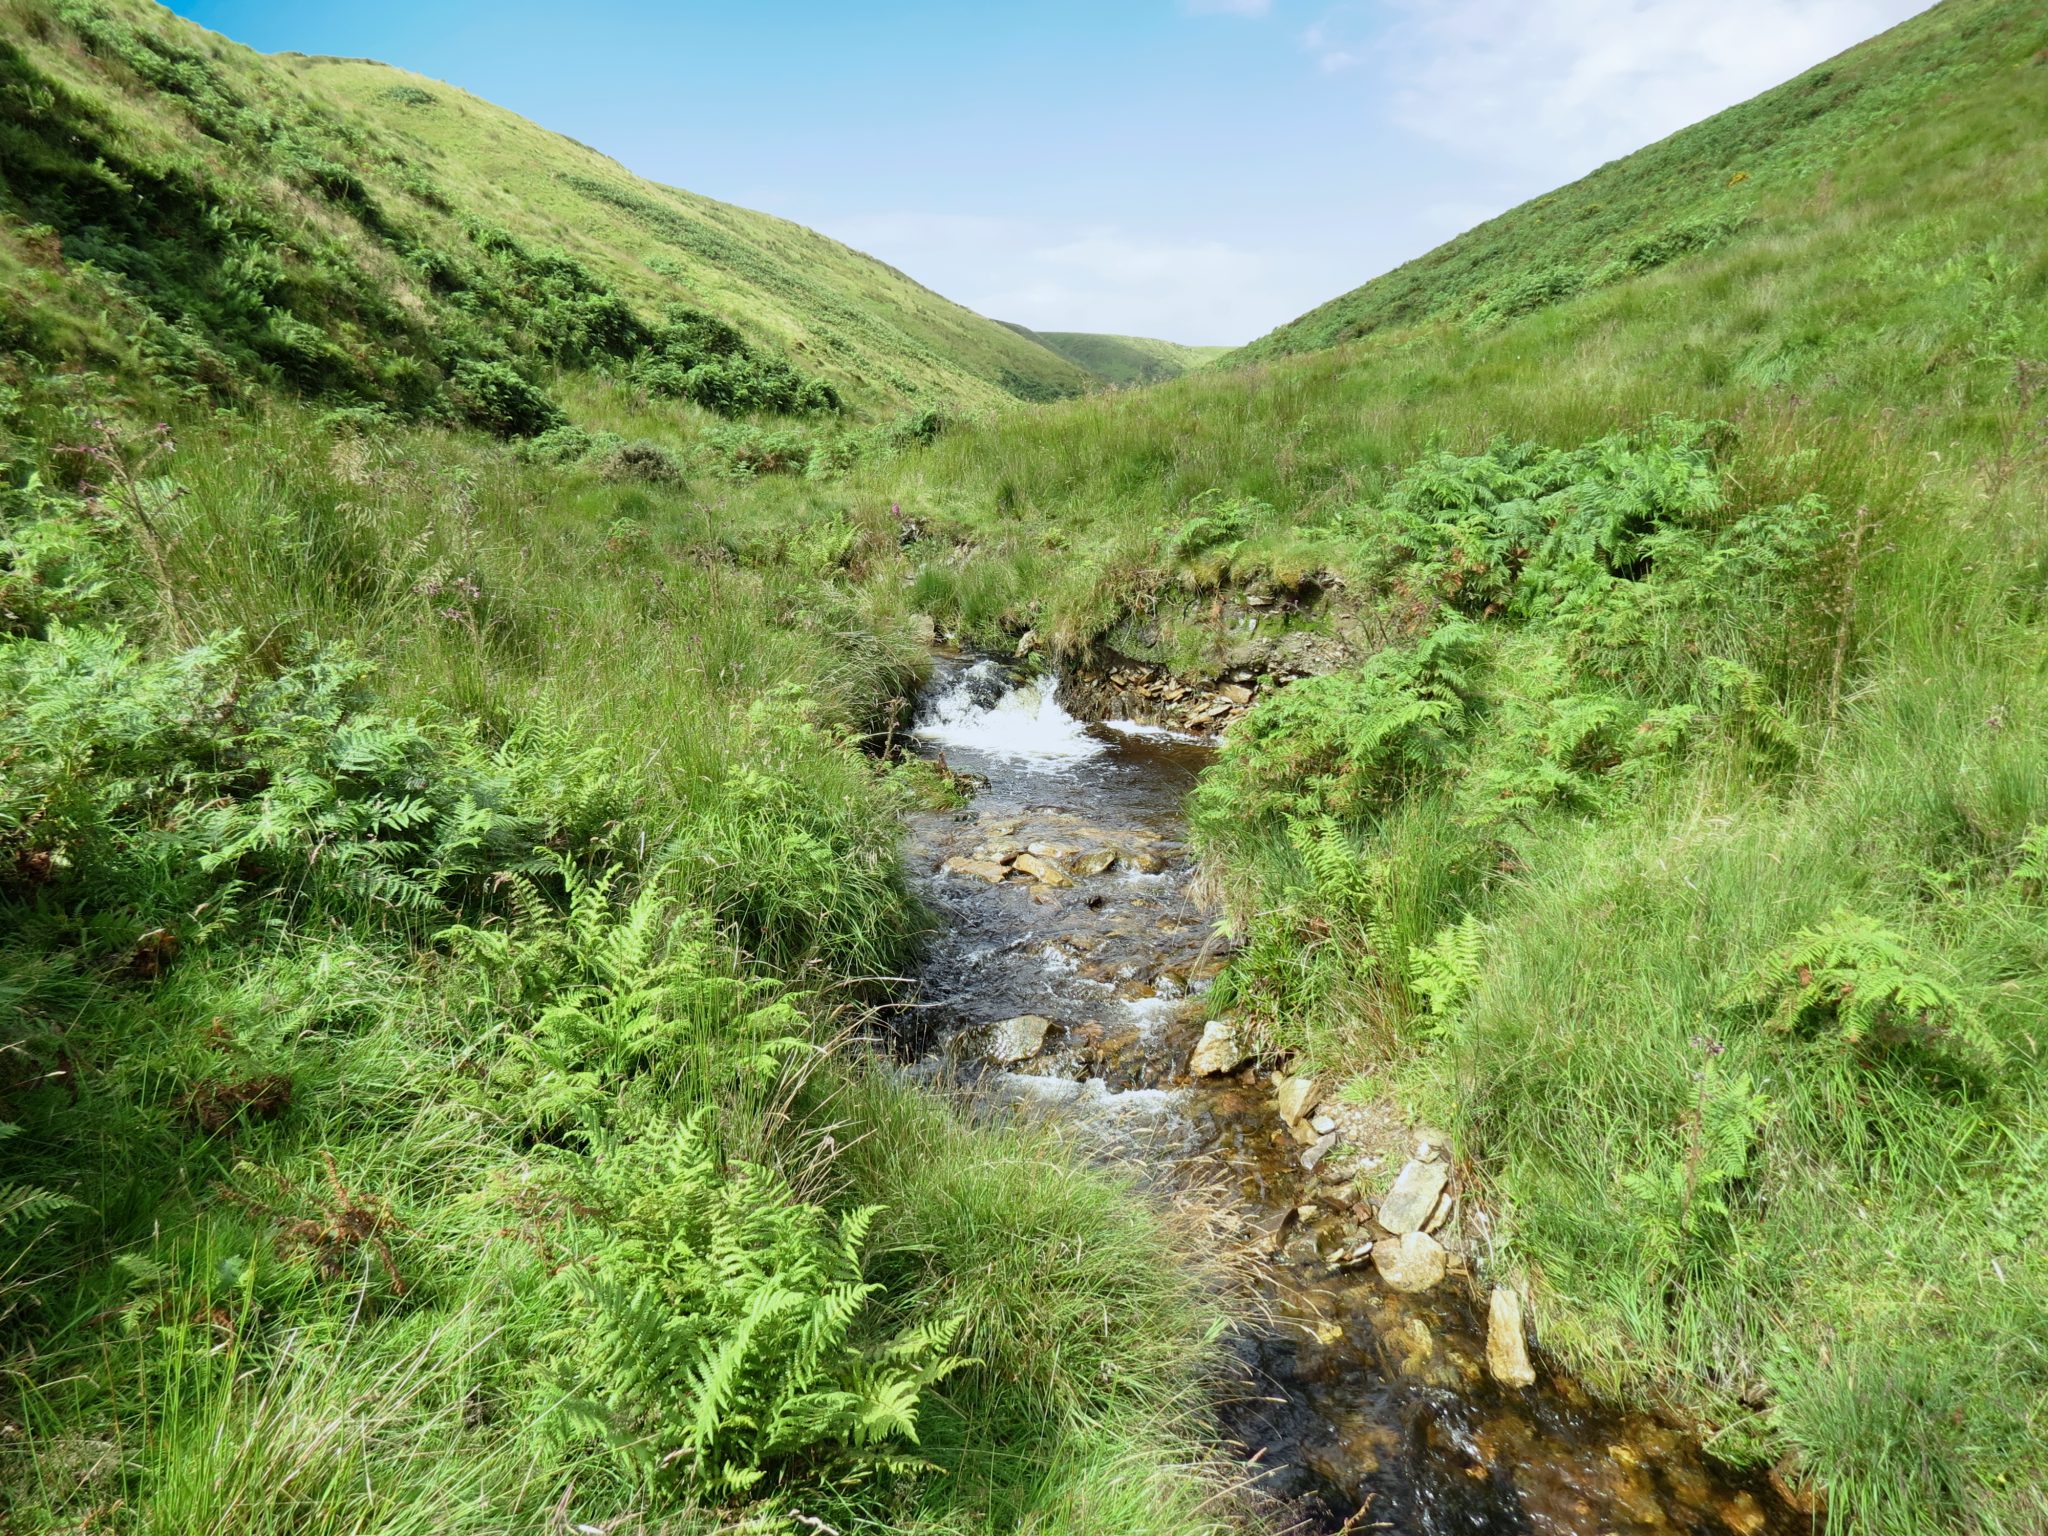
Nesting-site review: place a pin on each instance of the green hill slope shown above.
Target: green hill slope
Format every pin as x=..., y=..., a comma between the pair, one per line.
x=348, y=229
x=405, y=831
x=1701, y=186
x=1122, y=361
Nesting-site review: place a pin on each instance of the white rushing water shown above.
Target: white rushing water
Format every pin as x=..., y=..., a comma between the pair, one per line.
x=981, y=714
x=1146, y=732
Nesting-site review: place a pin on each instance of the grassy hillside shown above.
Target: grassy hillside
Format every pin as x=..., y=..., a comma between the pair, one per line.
x=1670, y=816
x=1124, y=361
x=852, y=317
x=1766, y=159
x=447, y=840
x=352, y=231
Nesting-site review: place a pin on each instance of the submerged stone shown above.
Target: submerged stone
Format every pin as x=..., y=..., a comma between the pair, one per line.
x=976, y=869
x=1096, y=863
x=1017, y=1039
x=1413, y=1262
x=1044, y=871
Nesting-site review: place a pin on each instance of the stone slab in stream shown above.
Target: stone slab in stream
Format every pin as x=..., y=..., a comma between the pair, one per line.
x=1414, y=1261
x=1507, y=1346
x=1017, y=1039
x=977, y=869
x=1043, y=870
x=1412, y=1200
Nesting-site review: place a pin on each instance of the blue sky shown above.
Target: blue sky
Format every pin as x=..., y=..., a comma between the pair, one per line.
x=1200, y=170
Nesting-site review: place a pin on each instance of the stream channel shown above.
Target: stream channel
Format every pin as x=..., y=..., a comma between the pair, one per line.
x=1360, y=1408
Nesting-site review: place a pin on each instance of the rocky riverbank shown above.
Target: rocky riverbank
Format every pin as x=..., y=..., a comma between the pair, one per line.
x=1391, y=1380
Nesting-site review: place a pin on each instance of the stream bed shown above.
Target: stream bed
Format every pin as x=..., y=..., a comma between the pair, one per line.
x=1066, y=980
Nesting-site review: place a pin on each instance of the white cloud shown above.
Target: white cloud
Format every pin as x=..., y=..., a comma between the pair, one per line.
x=1561, y=86
x=1227, y=7
x=1340, y=41
x=1101, y=278
x=1527, y=93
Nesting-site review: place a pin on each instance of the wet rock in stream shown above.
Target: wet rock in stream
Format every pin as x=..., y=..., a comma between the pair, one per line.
x=1218, y=1051
x=1507, y=1347
x=1415, y=1261
x=977, y=869
x=1017, y=1039
x=1293, y=1097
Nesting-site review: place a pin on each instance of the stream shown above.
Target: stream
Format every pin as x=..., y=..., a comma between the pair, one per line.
x=1065, y=980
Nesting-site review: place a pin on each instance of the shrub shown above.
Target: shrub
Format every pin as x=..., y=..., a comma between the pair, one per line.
x=1218, y=522
x=559, y=446
x=641, y=460
x=498, y=399
x=1531, y=292
x=624, y=998
x=697, y=357
x=166, y=786
x=1852, y=981
x=1348, y=743
x=55, y=560
x=741, y=453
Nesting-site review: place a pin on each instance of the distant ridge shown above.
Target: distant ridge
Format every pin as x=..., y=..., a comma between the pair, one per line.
x=1123, y=361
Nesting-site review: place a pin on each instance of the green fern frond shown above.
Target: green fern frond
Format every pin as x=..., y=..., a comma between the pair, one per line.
x=1852, y=978
x=1445, y=971
x=25, y=1205
x=720, y=1321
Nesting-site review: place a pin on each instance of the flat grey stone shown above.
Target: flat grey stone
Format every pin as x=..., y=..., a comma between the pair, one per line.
x=1412, y=1200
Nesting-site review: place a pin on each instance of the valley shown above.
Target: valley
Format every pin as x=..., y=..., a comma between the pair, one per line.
x=652, y=880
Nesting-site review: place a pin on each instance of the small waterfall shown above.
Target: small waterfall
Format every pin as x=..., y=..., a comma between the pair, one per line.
x=978, y=711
